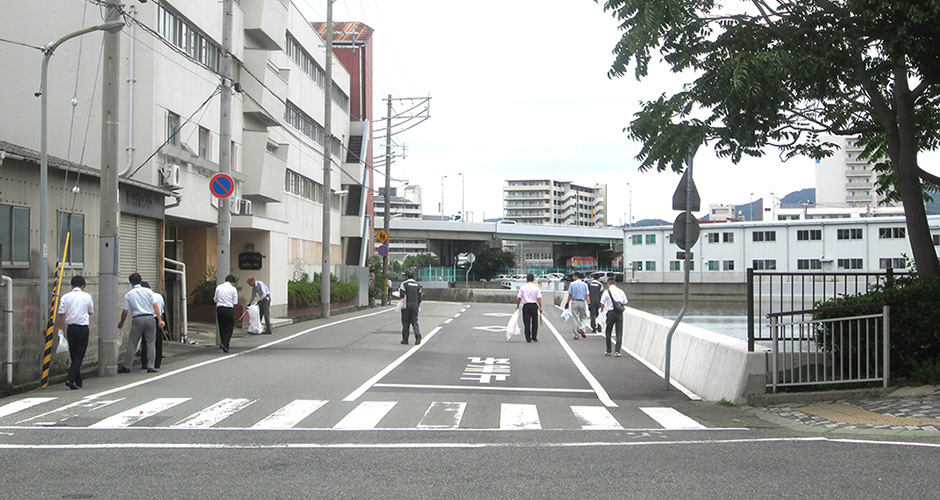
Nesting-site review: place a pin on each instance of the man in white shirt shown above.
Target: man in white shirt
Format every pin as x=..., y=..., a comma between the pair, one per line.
x=612, y=298
x=142, y=306
x=258, y=288
x=530, y=297
x=158, y=334
x=75, y=310
x=226, y=296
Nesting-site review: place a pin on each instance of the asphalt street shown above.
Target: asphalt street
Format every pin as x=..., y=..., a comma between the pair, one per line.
x=339, y=408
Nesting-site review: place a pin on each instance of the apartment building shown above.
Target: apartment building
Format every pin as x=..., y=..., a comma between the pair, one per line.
x=547, y=201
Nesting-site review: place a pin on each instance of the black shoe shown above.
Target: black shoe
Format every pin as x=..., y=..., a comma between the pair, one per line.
x=265, y=333
x=535, y=340
x=528, y=340
x=224, y=349
x=71, y=385
x=417, y=340
x=404, y=342
x=121, y=369
x=152, y=370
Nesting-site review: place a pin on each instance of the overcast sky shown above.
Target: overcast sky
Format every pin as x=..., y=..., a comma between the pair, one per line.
x=519, y=89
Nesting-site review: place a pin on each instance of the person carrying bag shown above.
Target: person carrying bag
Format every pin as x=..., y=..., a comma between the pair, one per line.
x=614, y=302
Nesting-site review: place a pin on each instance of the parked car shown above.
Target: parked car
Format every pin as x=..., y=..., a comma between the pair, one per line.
x=501, y=277
x=549, y=277
x=603, y=276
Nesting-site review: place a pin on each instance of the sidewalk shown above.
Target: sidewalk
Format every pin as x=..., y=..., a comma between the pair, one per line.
x=912, y=411
x=201, y=336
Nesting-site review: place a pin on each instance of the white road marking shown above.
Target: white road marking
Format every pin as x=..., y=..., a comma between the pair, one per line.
x=290, y=415
x=354, y=395
x=11, y=408
x=598, y=388
x=442, y=416
x=77, y=409
x=213, y=414
x=596, y=418
x=485, y=388
x=691, y=395
x=518, y=417
x=365, y=416
x=671, y=419
x=134, y=415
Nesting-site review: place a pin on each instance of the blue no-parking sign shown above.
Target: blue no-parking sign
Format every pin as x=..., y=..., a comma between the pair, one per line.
x=383, y=250
x=221, y=185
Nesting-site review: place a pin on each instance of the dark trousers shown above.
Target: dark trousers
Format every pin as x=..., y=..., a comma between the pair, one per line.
x=530, y=320
x=226, y=317
x=77, y=336
x=264, y=308
x=157, y=350
x=593, y=310
x=409, y=317
x=615, y=318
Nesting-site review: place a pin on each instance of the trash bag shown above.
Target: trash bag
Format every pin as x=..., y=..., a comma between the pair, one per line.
x=254, y=319
x=565, y=314
x=63, y=343
x=400, y=305
x=512, y=328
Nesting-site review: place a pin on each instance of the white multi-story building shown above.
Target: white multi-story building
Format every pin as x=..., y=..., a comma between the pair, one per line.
x=724, y=251
x=406, y=205
x=846, y=180
x=169, y=139
x=547, y=201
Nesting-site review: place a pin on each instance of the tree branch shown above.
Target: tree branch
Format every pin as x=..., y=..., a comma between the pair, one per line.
x=927, y=176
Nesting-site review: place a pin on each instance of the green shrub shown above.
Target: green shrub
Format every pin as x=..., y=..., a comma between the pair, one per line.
x=304, y=292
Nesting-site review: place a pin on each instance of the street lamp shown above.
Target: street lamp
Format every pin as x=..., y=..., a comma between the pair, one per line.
x=630, y=213
x=463, y=209
x=442, y=196
x=48, y=50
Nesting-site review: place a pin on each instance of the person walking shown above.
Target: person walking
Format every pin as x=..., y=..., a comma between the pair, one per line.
x=578, y=300
x=259, y=289
x=614, y=301
x=158, y=333
x=530, y=296
x=595, y=289
x=75, y=310
x=410, y=292
x=226, y=296
x=142, y=306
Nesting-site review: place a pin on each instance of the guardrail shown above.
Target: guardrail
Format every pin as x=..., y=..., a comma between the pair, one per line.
x=820, y=347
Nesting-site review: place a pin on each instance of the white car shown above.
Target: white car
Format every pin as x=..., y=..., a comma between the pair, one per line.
x=502, y=277
x=548, y=277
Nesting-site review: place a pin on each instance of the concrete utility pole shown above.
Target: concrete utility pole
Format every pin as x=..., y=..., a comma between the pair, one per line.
x=108, y=333
x=327, y=165
x=388, y=187
x=223, y=263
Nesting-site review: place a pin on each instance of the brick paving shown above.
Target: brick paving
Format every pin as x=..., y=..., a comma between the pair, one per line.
x=907, y=413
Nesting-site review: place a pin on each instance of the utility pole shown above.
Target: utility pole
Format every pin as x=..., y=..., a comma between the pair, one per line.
x=108, y=333
x=327, y=165
x=388, y=187
x=224, y=227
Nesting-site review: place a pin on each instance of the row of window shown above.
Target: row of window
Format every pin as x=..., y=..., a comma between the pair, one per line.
x=14, y=236
x=771, y=264
x=182, y=34
x=801, y=235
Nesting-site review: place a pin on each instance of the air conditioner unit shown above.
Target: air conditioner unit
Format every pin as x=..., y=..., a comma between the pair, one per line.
x=241, y=207
x=171, y=175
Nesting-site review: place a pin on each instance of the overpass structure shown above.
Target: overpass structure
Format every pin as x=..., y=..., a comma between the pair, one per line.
x=448, y=238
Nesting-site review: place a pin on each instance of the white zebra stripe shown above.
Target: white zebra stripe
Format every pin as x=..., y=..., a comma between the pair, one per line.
x=11, y=408
x=518, y=417
x=671, y=419
x=596, y=418
x=290, y=415
x=443, y=416
x=134, y=415
x=365, y=416
x=213, y=414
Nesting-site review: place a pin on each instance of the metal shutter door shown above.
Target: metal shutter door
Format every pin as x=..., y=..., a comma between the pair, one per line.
x=139, y=249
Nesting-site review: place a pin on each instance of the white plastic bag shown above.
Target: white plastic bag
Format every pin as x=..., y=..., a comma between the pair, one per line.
x=63, y=343
x=602, y=320
x=512, y=328
x=565, y=314
x=400, y=305
x=254, y=319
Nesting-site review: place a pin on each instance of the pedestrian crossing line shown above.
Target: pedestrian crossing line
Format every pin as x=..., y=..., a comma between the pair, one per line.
x=76, y=409
x=671, y=419
x=17, y=406
x=443, y=416
x=213, y=414
x=519, y=416
x=595, y=418
x=290, y=415
x=134, y=415
x=365, y=416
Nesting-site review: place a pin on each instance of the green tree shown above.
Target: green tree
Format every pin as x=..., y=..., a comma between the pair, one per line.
x=420, y=260
x=492, y=261
x=785, y=73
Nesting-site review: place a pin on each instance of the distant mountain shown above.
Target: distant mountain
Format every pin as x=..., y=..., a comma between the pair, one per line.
x=651, y=222
x=798, y=198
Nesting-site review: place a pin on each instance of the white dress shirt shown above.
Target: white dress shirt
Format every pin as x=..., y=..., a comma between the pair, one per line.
x=77, y=306
x=618, y=295
x=139, y=301
x=226, y=295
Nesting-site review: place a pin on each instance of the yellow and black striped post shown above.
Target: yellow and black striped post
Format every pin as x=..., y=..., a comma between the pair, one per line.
x=53, y=309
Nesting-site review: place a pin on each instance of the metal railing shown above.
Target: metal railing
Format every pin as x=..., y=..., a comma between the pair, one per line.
x=829, y=348
x=771, y=292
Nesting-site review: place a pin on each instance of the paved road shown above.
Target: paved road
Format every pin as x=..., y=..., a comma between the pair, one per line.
x=340, y=409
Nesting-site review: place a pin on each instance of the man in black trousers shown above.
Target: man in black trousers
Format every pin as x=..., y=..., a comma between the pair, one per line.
x=595, y=289
x=410, y=292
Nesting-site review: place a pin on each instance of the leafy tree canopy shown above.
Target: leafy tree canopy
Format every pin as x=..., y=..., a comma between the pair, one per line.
x=788, y=74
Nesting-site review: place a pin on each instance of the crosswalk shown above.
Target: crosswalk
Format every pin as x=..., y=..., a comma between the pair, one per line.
x=302, y=414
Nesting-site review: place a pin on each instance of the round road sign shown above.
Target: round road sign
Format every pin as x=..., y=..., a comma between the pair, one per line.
x=221, y=185
x=383, y=250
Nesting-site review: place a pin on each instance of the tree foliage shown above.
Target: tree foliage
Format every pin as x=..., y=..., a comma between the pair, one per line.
x=786, y=74
x=492, y=261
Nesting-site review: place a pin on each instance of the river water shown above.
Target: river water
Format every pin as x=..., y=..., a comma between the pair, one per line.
x=726, y=318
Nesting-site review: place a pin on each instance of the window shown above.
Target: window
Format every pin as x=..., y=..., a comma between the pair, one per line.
x=849, y=234
x=809, y=234
x=650, y=239
x=713, y=265
x=764, y=236
x=808, y=264
x=675, y=265
x=727, y=265
x=891, y=233
x=936, y=239
x=892, y=263
x=173, y=128
x=303, y=187
x=849, y=263
x=650, y=265
x=204, y=142
x=764, y=265
x=75, y=256
x=727, y=237
x=712, y=237
x=14, y=234
x=303, y=59
x=302, y=122
x=672, y=239
x=176, y=30
x=636, y=239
